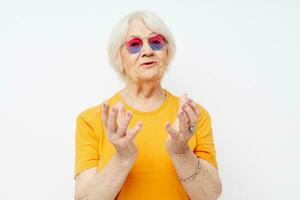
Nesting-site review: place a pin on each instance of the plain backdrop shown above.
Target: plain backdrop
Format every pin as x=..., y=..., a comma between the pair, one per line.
x=239, y=59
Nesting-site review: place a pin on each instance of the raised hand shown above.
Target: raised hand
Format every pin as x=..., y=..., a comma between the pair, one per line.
x=179, y=133
x=116, y=122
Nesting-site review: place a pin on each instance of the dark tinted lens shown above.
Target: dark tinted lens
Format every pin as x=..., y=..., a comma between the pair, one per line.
x=157, y=42
x=134, y=45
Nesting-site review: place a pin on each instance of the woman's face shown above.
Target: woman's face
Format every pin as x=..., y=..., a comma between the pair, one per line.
x=147, y=64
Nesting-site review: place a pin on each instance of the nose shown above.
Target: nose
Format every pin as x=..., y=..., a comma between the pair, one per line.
x=146, y=50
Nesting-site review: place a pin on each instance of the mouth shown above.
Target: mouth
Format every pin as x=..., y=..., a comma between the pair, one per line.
x=148, y=64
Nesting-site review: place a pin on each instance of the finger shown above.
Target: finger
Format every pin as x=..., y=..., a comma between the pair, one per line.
x=131, y=133
x=112, y=121
x=121, y=111
x=183, y=122
x=172, y=132
x=194, y=106
x=124, y=123
x=182, y=100
x=120, y=117
x=192, y=118
x=104, y=113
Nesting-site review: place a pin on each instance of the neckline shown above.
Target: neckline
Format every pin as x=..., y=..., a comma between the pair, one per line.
x=135, y=111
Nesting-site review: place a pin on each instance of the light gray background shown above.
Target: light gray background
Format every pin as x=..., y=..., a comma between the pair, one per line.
x=239, y=59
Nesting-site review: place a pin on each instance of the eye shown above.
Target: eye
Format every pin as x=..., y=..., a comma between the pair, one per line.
x=158, y=39
x=155, y=41
x=133, y=44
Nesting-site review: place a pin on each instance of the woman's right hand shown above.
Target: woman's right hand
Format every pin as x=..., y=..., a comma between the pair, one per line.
x=116, y=122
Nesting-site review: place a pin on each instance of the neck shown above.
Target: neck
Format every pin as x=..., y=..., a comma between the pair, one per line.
x=143, y=95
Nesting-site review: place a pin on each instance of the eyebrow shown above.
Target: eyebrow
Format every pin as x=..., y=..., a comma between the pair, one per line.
x=139, y=35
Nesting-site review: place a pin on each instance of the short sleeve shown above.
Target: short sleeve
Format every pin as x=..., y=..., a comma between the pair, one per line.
x=86, y=146
x=205, y=147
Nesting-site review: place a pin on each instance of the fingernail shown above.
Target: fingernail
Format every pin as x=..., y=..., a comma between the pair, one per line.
x=113, y=109
x=128, y=113
x=190, y=100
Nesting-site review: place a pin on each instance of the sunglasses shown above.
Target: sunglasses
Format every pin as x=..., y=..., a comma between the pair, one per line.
x=156, y=42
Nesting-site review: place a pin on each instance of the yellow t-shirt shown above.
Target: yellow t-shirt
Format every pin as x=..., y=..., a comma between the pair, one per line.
x=153, y=175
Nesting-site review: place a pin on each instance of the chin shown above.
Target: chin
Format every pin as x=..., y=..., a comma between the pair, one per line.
x=150, y=77
x=154, y=73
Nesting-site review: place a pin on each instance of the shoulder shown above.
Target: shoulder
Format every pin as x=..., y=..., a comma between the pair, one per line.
x=92, y=114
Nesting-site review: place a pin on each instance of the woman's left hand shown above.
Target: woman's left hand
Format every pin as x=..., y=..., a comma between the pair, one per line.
x=179, y=133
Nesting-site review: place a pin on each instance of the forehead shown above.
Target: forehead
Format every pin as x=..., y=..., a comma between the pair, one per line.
x=138, y=28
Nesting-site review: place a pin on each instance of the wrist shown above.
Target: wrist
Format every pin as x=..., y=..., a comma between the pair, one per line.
x=179, y=151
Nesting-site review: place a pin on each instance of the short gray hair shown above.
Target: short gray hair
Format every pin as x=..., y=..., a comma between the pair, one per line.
x=120, y=30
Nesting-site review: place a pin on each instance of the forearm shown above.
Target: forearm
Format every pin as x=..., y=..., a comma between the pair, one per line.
x=206, y=185
x=106, y=184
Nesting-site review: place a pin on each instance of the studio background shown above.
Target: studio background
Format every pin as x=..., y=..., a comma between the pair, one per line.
x=239, y=59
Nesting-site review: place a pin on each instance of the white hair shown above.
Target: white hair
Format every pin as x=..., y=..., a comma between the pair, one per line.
x=120, y=30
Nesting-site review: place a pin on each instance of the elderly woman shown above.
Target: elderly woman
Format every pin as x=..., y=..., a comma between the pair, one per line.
x=144, y=142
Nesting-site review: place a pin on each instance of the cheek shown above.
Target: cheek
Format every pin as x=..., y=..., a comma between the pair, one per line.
x=132, y=61
x=128, y=59
x=163, y=56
